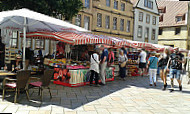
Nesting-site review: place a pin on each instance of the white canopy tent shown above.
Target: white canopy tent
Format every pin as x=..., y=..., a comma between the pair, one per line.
x=29, y=21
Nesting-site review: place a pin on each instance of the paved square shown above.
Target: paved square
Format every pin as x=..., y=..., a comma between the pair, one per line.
x=133, y=96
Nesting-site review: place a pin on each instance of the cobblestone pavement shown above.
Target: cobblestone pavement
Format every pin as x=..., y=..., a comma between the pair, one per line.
x=133, y=96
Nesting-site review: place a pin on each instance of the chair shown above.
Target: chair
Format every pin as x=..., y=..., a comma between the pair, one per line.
x=44, y=82
x=18, y=84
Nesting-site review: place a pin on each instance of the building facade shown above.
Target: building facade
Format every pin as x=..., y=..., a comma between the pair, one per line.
x=146, y=21
x=107, y=17
x=173, y=25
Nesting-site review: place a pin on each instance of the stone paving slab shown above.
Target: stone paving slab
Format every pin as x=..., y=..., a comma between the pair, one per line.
x=133, y=96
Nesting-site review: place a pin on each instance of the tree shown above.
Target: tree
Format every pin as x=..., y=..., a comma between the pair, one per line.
x=67, y=8
x=72, y=8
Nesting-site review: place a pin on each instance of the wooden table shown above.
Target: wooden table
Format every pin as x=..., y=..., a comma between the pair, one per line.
x=7, y=74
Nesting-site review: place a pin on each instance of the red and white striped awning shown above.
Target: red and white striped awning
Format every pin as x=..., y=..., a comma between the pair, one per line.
x=74, y=38
x=80, y=38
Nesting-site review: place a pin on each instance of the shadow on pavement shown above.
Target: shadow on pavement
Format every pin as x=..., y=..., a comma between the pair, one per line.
x=72, y=98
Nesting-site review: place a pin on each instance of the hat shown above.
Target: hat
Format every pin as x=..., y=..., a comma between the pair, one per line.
x=153, y=52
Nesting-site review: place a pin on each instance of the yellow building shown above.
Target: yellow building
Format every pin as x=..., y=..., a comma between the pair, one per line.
x=107, y=17
x=173, y=27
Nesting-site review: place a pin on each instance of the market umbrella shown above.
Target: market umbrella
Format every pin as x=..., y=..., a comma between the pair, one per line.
x=29, y=21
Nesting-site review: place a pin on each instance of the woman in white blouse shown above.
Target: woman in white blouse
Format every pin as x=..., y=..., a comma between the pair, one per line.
x=122, y=64
x=94, y=66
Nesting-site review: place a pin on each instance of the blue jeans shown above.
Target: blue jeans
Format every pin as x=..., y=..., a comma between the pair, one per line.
x=176, y=73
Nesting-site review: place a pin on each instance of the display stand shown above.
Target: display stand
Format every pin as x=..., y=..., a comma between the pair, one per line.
x=132, y=64
x=77, y=77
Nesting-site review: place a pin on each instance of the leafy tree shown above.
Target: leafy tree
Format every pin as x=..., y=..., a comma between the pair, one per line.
x=67, y=8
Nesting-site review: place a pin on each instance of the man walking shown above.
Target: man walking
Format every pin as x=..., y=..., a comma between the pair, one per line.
x=142, y=61
x=103, y=64
x=175, y=62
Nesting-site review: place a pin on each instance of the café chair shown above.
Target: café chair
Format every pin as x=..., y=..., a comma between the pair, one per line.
x=43, y=82
x=18, y=84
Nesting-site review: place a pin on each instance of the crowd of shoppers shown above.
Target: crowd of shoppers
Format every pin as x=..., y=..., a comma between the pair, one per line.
x=166, y=63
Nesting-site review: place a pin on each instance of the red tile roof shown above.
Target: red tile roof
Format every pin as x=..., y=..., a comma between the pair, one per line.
x=173, y=9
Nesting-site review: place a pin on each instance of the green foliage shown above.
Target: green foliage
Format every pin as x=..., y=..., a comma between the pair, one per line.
x=67, y=8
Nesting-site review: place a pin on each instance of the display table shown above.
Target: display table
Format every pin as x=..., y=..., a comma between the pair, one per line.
x=77, y=77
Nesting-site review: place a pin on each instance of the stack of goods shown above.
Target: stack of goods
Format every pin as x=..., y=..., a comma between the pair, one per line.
x=55, y=62
x=132, y=70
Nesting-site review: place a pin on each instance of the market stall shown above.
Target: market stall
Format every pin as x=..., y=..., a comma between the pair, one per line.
x=71, y=59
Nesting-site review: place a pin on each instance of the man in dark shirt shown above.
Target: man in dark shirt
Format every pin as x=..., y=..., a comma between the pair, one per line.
x=2, y=54
x=103, y=64
x=175, y=62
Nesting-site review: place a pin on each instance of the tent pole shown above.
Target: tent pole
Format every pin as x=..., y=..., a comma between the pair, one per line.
x=24, y=43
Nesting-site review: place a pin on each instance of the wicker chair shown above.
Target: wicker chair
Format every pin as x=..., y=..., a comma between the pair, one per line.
x=44, y=82
x=18, y=84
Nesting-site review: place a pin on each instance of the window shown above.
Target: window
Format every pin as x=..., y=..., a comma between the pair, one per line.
x=139, y=31
x=177, y=31
x=153, y=34
x=87, y=4
x=128, y=26
x=122, y=24
x=160, y=31
x=108, y=3
x=87, y=22
x=146, y=3
x=161, y=18
x=28, y=42
x=140, y=16
x=122, y=6
x=115, y=4
x=107, y=22
x=147, y=18
x=154, y=20
x=78, y=20
x=179, y=18
x=150, y=4
x=147, y=33
x=14, y=39
x=40, y=44
x=114, y=23
x=99, y=20
x=162, y=9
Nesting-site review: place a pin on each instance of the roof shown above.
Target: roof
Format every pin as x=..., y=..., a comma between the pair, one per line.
x=134, y=2
x=173, y=9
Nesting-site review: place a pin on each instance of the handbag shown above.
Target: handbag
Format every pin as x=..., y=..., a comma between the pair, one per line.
x=160, y=63
x=123, y=64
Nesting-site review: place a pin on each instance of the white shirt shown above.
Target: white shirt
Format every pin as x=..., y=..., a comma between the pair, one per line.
x=143, y=57
x=122, y=58
x=94, y=64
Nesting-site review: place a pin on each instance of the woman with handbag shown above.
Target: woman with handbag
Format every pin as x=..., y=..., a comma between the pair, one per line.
x=153, y=65
x=94, y=67
x=163, y=60
x=122, y=64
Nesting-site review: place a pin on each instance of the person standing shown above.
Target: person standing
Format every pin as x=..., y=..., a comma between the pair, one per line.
x=122, y=64
x=142, y=61
x=152, y=65
x=110, y=57
x=163, y=60
x=2, y=54
x=188, y=67
x=94, y=67
x=103, y=64
x=175, y=62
